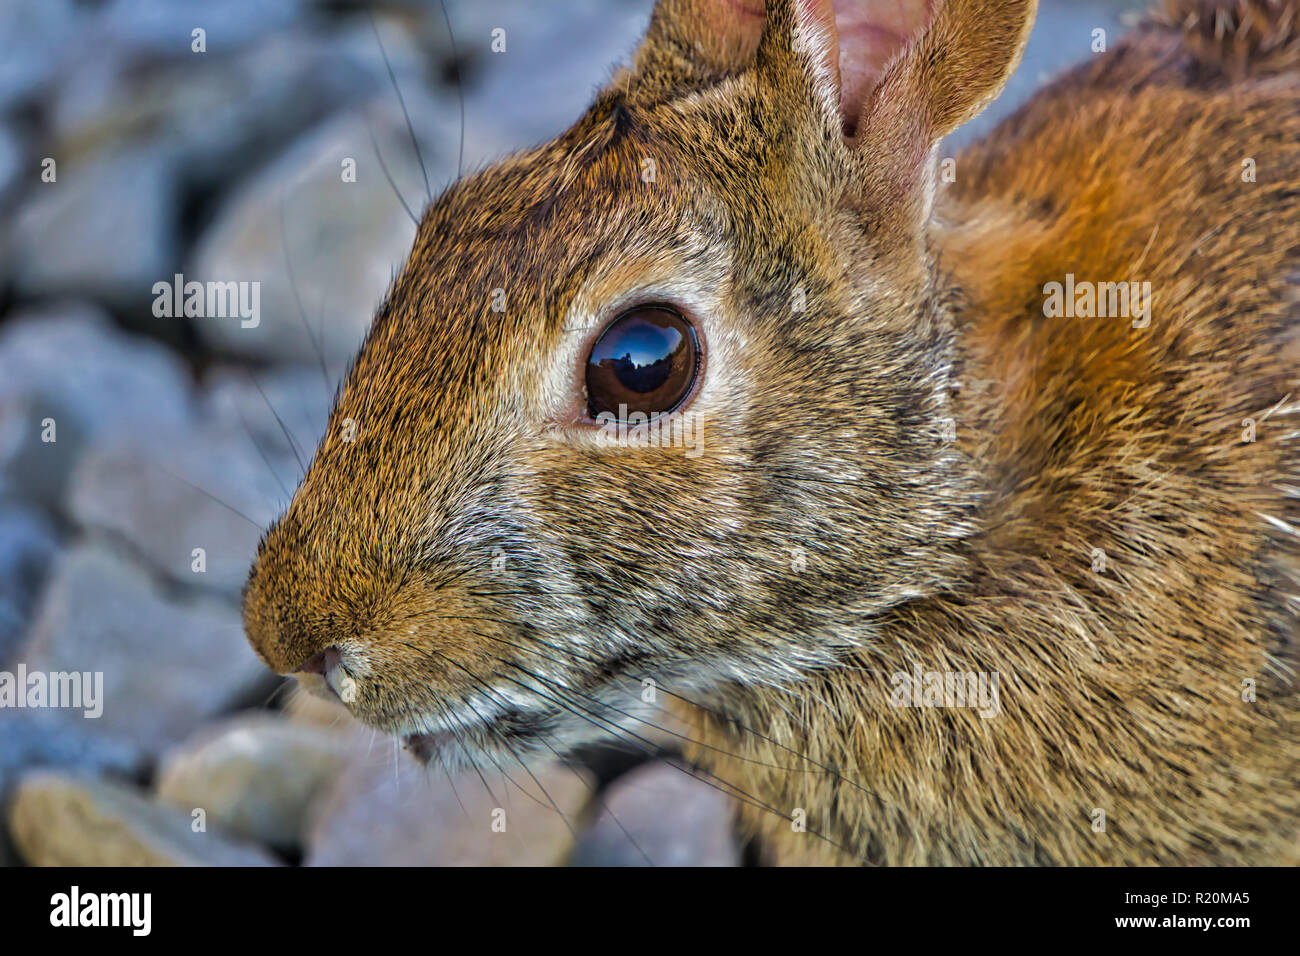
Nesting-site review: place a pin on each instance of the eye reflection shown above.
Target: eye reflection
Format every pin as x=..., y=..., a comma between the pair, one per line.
x=645, y=361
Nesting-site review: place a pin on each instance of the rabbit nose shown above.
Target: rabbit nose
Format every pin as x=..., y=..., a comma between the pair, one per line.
x=329, y=665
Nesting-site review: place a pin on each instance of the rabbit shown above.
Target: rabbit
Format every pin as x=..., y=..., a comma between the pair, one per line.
x=948, y=506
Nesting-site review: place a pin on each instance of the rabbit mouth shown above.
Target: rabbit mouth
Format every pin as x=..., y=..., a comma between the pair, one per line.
x=523, y=730
x=510, y=732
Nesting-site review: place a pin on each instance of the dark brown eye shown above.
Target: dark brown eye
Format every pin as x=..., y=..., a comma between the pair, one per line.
x=645, y=361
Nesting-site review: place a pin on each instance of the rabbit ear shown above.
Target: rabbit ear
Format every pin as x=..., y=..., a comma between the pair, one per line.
x=956, y=65
x=847, y=44
x=850, y=44
x=895, y=75
x=694, y=43
x=946, y=76
x=937, y=61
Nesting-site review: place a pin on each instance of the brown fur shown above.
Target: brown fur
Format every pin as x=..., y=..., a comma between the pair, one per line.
x=832, y=535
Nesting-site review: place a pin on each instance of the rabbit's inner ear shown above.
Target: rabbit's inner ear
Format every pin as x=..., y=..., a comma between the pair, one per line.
x=842, y=47
x=870, y=34
x=694, y=43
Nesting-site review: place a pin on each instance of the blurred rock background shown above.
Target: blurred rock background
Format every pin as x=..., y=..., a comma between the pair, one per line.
x=126, y=156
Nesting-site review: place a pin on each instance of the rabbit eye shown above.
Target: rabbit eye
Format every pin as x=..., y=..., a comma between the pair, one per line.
x=645, y=361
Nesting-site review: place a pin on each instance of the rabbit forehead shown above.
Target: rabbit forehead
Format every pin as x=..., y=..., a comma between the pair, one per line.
x=465, y=355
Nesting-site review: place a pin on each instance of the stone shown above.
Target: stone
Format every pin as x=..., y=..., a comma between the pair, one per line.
x=256, y=775
x=32, y=468
x=66, y=362
x=299, y=225
x=387, y=810
x=31, y=739
x=66, y=820
x=528, y=94
x=168, y=665
x=13, y=165
x=27, y=545
x=32, y=39
x=110, y=378
x=660, y=815
x=193, y=503
x=106, y=228
x=217, y=117
x=298, y=397
x=163, y=28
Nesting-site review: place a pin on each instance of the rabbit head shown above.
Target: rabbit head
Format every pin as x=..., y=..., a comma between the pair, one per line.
x=665, y=399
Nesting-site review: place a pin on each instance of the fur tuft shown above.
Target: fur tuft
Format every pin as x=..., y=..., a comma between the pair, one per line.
x=1237, y=38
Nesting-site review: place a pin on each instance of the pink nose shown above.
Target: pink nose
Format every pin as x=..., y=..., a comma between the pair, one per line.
x=321, y=663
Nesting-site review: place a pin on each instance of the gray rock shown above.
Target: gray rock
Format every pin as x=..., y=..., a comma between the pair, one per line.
x=27, y=544
x=67, y=362
x=30, y=739
x=31, y=467
x=163, y=28
x=658, y=814
x=386, y=810
x=32, y=39
x=257, y=776
x=343, y=239
x=40, y=43
x=105, y=228
x=113, y=381
x=258, y=403
x=218, y=117
x=414, y=39
x=65, y=820
x=13, y=157
x=528, y=94
x=168, y=666
x=192, y=503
